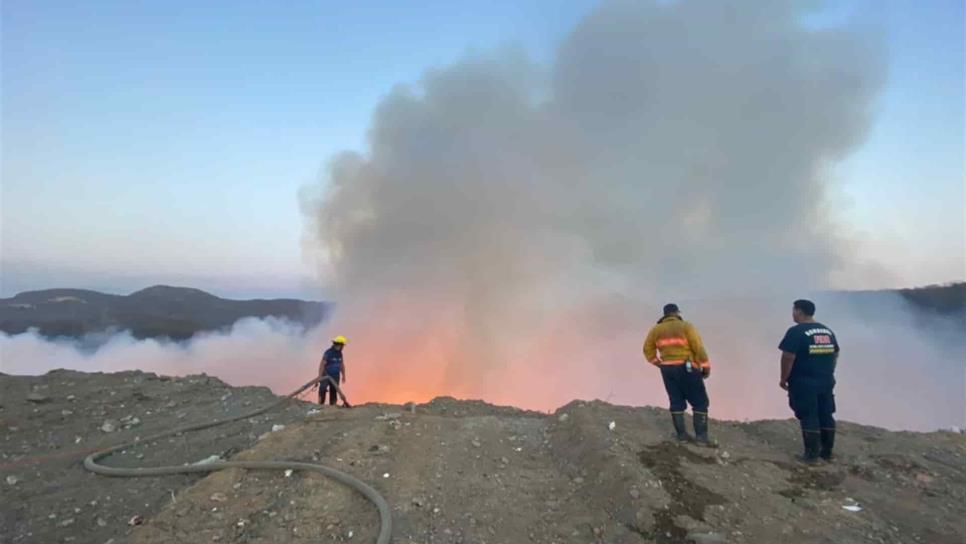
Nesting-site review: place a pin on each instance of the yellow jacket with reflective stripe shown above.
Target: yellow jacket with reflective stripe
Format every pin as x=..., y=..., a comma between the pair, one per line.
x=677, y=341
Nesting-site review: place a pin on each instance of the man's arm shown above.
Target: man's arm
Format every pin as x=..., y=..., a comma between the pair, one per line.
x=697, y=349
x=788, y=361
x=650, y=349
x=343, y=371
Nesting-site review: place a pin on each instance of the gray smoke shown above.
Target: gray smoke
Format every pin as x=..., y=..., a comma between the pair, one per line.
x=670, y=145
x=512, y=227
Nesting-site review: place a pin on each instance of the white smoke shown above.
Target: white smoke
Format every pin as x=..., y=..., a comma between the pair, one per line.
x=267, y=352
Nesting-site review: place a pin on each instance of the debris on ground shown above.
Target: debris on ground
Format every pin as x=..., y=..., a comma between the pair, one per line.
x=37, y=398
x=208, y=460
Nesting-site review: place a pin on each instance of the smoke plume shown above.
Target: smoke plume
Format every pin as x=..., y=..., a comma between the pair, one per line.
x=512, y=230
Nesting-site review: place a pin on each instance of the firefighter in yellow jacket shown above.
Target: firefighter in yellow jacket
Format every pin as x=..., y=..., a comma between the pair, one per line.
x=674, y=346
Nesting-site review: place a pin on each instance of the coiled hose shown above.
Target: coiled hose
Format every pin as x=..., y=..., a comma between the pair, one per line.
x=385, y=515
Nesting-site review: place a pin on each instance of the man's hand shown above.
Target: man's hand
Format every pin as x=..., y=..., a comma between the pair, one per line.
x=656, y=362
x=783, y=384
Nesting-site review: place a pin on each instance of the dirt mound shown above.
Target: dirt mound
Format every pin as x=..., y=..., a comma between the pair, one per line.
x=453, y=471
x=49, y=423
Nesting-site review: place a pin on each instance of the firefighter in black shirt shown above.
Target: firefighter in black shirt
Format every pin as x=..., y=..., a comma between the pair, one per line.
x=809, y=354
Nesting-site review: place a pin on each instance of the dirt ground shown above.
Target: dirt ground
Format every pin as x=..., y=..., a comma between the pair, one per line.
x=454, y=472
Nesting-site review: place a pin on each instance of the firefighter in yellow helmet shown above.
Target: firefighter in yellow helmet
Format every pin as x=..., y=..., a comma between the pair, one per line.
x=674, y=346
x=332, y=366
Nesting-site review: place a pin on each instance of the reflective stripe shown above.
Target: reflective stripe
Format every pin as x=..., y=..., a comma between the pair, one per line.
x=706, y=364
x=663, y=342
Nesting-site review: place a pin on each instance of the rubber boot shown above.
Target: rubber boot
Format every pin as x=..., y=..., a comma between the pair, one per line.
x=828, y=442
x=701, y=430
x=813, y=443
x=680, y=428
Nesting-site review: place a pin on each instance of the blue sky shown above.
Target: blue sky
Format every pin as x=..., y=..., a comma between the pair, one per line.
x=149, y=142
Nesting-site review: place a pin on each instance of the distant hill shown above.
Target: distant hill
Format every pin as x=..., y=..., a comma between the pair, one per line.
x=179, y=313
x=947, y=299
x=944, y=299
x=161, y=311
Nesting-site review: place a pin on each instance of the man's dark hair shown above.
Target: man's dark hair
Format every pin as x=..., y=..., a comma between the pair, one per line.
x=671, y=309
x=807, y=307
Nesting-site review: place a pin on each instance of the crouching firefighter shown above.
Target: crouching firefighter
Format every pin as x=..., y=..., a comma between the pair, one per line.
x=810, y=352
x=332, y=366
x=674, y=346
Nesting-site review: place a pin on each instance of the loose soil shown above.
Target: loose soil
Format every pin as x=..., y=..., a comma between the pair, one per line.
x=454, y=472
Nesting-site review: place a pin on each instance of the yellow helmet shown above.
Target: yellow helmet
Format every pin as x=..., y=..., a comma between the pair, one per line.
x=340, y=340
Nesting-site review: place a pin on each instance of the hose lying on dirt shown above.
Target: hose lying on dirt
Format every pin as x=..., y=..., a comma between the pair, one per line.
x=385, y=516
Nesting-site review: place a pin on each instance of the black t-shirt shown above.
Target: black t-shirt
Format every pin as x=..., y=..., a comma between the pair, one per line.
x=815, y=348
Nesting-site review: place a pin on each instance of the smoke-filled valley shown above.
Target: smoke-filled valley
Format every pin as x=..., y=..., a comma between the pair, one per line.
x=895, y=355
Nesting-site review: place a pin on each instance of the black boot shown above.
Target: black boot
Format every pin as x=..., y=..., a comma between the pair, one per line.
x=813, y=442
x=828, y=442
x=679, y=427
x=701, y=430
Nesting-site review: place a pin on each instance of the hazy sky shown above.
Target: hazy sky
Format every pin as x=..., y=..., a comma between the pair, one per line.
x=166, y=142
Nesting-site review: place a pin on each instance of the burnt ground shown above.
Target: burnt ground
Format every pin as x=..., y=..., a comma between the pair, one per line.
x=453, y=471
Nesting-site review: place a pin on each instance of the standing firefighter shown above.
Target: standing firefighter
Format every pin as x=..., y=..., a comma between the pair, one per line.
x=674, y=346
x=809, y=353
x=332, y=366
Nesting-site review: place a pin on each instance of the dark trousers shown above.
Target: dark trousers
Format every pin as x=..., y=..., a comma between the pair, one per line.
x=813, y=407
x=685, y=388
x=333, y=392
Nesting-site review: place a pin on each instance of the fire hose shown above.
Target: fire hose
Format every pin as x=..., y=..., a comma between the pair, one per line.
x=385, y=515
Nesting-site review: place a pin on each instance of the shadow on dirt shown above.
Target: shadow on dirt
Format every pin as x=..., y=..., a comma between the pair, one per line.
x=804, y=478
x=687, y=498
